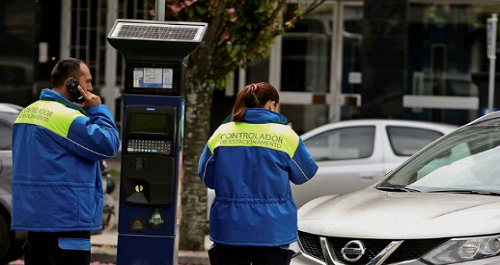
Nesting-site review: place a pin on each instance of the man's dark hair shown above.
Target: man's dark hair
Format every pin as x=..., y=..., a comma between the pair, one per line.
x=65, y=68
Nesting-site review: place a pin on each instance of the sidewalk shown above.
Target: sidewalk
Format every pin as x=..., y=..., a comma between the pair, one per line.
x=104, y=248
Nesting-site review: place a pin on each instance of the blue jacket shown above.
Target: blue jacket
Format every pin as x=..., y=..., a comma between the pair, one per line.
x=250, y=165
x=56, y=150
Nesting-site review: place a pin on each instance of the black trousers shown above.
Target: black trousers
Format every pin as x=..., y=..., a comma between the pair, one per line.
x=242, y=255
x=43, y=249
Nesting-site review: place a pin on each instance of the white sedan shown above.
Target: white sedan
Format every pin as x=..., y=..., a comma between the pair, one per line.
x=352, y=155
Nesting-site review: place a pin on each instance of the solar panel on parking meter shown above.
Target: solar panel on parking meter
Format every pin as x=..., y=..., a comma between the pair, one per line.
x=152, y=135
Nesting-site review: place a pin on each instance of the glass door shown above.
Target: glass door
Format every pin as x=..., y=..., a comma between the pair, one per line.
x=347, y=87
x=316, y=65
x=320, y=70
x=306, y=68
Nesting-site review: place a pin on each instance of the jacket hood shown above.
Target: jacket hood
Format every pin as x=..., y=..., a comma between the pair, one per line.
x=50, y=94
x=259, y=116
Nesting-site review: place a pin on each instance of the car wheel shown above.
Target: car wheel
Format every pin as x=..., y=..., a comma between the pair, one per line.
x=5, y=239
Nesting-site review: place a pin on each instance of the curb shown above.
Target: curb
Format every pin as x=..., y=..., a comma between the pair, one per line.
x=103, y=254
x=108, y=255
x=193, y=257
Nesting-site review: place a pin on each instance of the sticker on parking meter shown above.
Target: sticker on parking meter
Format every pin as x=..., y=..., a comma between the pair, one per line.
x=167, y=77
x=152, y=76
x=157, y=219
x=138, y=73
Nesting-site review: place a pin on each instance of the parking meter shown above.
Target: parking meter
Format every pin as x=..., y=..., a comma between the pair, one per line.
x=152, y=136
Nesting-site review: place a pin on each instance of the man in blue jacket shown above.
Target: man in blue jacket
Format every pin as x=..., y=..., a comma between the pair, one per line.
x=56, y=187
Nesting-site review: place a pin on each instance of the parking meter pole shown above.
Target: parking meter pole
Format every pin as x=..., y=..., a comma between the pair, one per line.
x=152, y=138
x=491, y=86
x=160, y=10
x=491, y=49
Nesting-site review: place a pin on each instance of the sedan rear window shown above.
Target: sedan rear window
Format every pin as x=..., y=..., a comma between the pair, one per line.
x=341, y=144
x=405, y=141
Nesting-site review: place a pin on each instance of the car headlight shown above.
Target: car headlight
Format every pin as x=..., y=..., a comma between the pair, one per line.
x=464, y=249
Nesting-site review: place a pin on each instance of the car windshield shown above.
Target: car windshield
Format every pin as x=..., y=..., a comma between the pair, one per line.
x=468, y=160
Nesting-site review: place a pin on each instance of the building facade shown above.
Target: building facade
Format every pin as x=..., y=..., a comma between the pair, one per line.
x=405, y=59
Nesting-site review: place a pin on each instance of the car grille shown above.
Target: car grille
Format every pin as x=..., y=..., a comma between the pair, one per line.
x=373, y=247
x=414, y=249
x=311, y=245
x=408, y=250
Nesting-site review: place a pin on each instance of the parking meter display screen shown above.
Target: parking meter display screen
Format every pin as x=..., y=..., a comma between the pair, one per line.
x=153, y=78
x=149, y=123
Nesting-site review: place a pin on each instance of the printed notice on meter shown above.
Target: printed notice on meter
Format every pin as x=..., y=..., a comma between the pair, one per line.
x=153, y=78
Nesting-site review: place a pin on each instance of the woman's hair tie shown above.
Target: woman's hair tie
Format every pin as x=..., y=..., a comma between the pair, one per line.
x=253, y=86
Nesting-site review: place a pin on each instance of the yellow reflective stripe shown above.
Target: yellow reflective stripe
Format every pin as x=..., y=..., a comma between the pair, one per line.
x=270, y=135
x=50, y=115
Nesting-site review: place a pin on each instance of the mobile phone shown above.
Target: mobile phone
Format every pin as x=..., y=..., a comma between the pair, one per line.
x=72, y=87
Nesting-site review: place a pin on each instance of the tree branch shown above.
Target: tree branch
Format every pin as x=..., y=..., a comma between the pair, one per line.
x=313, y=6
x=310, y=8
x=279, y=7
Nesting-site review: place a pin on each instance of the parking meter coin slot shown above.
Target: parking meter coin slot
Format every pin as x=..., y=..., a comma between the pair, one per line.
x=148, y=179
x=138, y=191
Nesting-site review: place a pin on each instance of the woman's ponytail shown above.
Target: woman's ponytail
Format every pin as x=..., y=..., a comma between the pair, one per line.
x=253, y=96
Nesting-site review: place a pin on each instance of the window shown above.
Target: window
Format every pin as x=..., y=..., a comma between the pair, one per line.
x=306, y=51
x=341, y=144
x=405, y=141
x=5, y=137
x=447, y=55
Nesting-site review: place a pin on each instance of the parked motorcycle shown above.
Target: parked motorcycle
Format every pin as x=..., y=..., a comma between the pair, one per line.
x=108, y=184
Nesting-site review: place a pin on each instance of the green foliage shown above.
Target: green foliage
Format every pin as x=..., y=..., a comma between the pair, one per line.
x=239, y=30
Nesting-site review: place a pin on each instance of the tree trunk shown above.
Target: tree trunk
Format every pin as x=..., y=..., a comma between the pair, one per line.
x=209, y=64
x=194, y=194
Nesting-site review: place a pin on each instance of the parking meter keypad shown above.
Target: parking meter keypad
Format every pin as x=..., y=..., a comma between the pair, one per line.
x=149, y=146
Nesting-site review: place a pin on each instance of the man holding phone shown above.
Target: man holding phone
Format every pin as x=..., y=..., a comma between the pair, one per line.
x=58, y=142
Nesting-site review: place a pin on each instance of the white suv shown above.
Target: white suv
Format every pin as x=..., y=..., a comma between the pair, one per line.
x=442, y=206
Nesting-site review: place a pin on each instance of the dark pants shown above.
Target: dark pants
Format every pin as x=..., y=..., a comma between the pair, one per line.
x=43, y=249
x=242, y=255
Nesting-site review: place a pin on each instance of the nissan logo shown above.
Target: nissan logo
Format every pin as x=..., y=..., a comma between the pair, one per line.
x=353, y=251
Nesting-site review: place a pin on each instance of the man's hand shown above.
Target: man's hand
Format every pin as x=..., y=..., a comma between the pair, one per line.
x=90, y=98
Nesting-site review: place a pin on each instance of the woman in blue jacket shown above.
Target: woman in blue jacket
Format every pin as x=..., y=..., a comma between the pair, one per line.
x=250, y=162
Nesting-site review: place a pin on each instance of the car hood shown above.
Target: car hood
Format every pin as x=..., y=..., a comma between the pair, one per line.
x=371, y=213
